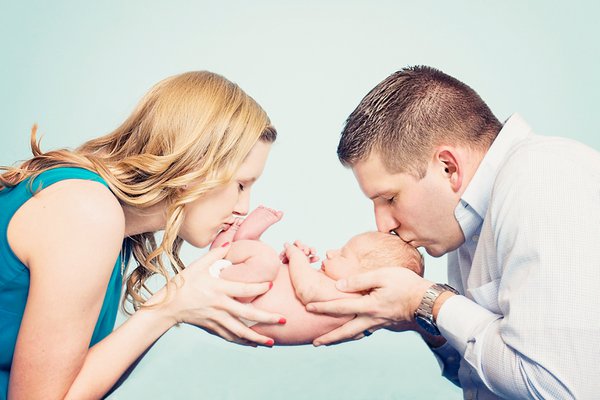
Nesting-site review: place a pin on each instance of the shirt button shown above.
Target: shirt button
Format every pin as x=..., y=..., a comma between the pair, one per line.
x=475, y=238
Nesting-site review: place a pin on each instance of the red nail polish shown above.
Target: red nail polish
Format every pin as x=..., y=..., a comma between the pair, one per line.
x=270, y=342
x=270, y=285
x=225, y=244
x=282, y=321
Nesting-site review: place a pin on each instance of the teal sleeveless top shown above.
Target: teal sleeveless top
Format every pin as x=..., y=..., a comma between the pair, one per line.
x=14, y=275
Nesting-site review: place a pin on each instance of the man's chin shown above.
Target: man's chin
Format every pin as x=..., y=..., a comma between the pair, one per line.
x=435, y=251
x=438, y=250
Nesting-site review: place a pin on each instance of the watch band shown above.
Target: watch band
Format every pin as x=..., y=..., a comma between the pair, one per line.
x=424, y=313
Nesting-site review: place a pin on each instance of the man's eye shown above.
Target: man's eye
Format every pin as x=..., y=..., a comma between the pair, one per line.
x=391, y=199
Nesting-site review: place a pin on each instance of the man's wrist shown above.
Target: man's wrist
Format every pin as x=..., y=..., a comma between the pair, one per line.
x=431, y=302
x=439, y=302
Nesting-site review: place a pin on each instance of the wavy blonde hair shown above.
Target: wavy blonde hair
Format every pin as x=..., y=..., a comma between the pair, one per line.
x=193, y=127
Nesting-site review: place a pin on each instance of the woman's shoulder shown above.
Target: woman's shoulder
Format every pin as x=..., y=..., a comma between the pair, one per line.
x=69, y=212
x=54, y=175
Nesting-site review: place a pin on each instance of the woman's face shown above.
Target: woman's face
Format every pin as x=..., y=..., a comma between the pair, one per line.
x=207, y=216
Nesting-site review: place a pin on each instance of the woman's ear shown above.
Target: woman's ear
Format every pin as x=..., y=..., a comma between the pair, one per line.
x=450, y=162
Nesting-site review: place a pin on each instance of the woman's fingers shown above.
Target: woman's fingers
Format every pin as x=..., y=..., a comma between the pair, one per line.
x=251, y=313
x=208, y=259
x=240, y=289
x=234, y=330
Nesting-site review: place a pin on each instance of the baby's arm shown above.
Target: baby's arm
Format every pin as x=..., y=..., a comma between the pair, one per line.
x=309, y=284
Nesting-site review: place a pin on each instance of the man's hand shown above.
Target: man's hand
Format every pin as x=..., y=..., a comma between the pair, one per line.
x=393, y=296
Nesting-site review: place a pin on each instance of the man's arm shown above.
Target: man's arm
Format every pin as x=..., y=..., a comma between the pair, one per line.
x=544, y=221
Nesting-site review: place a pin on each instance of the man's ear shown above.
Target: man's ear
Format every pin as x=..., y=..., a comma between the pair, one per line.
x=449, y=160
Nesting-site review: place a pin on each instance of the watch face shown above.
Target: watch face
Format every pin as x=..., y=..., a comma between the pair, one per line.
x=427, y=325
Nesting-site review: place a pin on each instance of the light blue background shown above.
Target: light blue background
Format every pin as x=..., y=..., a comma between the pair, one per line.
x=78, y=68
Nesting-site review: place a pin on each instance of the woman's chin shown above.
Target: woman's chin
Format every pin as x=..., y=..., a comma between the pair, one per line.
x=200, y=242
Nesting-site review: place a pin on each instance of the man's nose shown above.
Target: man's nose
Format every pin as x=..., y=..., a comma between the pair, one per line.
x=385, y=220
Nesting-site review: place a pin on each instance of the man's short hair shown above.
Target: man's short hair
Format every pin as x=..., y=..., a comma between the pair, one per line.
x=410, y=112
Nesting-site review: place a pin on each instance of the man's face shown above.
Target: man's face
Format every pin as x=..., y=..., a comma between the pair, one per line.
x=421, y=212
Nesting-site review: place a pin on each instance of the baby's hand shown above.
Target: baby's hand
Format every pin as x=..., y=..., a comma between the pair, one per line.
x=309, y=252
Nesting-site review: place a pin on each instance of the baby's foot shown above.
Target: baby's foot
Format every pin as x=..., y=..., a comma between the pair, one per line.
x=228, y=234
x=257, y=223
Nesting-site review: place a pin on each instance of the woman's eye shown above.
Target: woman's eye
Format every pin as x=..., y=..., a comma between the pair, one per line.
x=240, y=187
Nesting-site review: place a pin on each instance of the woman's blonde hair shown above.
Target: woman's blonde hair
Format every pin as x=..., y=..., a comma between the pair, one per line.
x=189, y=128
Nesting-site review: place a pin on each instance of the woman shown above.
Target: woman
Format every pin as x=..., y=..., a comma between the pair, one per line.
x=183, y=162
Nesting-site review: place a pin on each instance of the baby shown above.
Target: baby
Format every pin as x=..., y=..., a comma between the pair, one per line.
x=295, y=282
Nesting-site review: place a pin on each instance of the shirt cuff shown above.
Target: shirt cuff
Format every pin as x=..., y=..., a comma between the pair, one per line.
x=463, y=323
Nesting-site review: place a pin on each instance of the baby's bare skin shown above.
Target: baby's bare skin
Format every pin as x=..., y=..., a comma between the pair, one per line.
x=255, y=261
x=295, y=282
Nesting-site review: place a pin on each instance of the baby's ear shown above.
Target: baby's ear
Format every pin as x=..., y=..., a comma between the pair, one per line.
x=415, y=265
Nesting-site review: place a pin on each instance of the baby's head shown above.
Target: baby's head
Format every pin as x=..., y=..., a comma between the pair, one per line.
x=371, y=250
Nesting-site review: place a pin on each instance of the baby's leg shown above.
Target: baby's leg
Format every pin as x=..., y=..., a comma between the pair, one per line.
x=253, y=262
x=227, y=235
x=257, y=223
x=310, y=284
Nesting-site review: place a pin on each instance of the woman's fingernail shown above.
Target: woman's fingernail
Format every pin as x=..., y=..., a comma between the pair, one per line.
x=269, y=342
x=225, y=244
x=270, y=285
x=282, y=321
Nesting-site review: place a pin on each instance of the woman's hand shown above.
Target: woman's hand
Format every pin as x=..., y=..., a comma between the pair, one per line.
x=196, y=298
x=393, y=296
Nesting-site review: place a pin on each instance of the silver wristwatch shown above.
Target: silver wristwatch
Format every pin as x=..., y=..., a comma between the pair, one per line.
x=424, y=313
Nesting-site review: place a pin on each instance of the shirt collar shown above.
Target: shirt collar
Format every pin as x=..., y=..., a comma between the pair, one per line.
x=477, y=194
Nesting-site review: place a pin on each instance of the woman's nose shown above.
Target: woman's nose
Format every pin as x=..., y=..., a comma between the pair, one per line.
x=243, y=205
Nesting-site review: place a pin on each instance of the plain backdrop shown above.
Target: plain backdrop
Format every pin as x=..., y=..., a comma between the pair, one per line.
x=77, y=68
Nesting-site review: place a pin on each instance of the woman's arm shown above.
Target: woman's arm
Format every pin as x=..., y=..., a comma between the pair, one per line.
x=69, y=236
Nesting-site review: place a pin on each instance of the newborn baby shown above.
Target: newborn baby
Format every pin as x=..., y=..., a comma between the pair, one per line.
x=295, y=282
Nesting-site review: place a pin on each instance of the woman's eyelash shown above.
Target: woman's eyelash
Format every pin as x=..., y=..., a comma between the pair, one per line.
x=241, y=187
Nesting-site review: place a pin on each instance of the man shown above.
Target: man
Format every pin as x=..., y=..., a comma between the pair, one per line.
x=518, y=215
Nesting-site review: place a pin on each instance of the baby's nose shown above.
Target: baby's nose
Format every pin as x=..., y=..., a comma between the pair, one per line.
x=330, y=253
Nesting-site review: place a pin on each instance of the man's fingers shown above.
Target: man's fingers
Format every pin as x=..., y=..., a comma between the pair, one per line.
x=351, y=330
x=339, y=307
x=359, y=282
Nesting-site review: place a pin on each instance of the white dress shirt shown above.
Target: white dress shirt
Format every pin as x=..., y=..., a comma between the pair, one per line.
x=527, y=324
